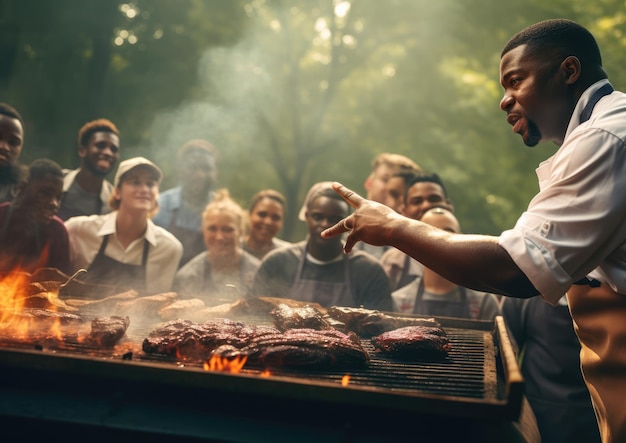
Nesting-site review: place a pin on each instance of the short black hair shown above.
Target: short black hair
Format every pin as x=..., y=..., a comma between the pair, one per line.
x=10, y=111
x=40, y=167
x=98, y=125
x=272, y=194
x=428, y=178
x=560, y=36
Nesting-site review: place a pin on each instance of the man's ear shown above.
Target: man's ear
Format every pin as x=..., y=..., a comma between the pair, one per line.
x=82, y=151
x=571, y=67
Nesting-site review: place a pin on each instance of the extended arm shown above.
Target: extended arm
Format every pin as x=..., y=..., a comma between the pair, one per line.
x=473, y=261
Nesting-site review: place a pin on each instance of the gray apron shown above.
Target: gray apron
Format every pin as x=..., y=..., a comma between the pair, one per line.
x=441, y=308
x=325, y=293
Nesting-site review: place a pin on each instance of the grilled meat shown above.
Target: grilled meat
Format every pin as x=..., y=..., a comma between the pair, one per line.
x=262, y=306
x=103, y=304
x=190, y=309
x=43, y=317
x=263, y=345
x=301, y=348
x=188, y=339
x=107, y=331
x=413, y=343
x=286, y=317
x=368, y=323
x=147, y=306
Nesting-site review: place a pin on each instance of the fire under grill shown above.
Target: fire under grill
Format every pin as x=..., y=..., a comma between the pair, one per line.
x=478, y=387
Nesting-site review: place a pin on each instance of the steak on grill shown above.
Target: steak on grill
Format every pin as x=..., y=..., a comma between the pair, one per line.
x=263, y=345
x=301, y=348
x=107, y=331
x=368, y=323
x=286, y=317
x=413, y=343
x=188, y=339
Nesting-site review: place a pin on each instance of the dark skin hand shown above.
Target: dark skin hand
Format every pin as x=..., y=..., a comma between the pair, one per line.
x=473, y=261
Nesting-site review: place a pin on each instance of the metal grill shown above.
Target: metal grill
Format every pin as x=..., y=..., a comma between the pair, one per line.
x=471, y=380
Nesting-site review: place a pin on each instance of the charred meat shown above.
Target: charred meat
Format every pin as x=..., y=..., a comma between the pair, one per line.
x=188, y=339
x=262, y=345
x=286, y=317
x=107, y=331
x=368, y=323
x=413, y=343
x=301, y=348
x=43, y=317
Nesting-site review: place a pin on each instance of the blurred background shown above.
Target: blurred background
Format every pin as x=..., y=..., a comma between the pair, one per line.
x=292, y=92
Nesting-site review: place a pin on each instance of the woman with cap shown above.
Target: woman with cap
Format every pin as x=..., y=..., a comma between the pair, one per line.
x=316, y=269
x=125, y=248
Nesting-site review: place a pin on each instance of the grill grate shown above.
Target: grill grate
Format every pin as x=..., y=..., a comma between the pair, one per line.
x=479, y=378
x=464, y=373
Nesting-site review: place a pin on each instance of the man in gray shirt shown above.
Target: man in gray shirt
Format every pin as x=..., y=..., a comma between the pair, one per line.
x=85, y=190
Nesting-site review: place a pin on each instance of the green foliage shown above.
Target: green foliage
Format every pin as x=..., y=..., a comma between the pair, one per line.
x=292, y=92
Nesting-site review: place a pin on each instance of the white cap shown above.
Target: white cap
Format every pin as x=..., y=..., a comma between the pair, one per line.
x=132, y=163
x=315, y=189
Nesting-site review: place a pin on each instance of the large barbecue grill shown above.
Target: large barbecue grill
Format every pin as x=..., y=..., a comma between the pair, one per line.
x=81, y=393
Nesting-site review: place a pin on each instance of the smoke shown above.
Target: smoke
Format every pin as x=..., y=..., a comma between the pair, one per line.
x=232, y=83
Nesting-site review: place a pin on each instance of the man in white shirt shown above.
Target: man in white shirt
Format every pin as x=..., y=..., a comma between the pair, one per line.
x=572, y=238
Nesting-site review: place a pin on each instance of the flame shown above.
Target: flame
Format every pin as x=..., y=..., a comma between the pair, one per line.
x=345, y=380
x=15, y=291
x=224, y=364
x=265, y=373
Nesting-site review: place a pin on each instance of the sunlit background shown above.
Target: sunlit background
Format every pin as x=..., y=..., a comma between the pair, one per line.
x=291, y=92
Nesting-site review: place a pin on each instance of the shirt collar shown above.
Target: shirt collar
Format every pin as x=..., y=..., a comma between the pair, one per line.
x=108, y=228
x=582, y=102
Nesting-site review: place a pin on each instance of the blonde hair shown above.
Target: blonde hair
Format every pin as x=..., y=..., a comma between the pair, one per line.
x=223, y=203
x=395, y=162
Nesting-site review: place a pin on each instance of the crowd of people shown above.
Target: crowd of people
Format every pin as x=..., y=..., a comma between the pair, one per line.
x=196, y=240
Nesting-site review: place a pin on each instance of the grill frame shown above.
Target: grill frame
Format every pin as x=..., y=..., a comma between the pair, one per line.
x=502, y=383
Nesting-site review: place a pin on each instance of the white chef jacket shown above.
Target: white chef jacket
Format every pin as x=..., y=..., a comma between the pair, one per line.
x=575, y=226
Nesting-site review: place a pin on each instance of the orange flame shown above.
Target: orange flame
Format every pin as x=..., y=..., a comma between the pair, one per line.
x=345, y=380
x=265, y=373
x=16, y=294
x=223, y=364
x=13, y=293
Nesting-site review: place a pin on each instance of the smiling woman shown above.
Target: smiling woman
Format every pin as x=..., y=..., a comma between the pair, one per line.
x=265, y=220
x=224, y=272
x=124, y=248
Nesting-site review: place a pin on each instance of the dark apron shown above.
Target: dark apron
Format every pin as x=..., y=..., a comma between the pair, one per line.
x=441, y=308
x=325, y=293
x=104, y=270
